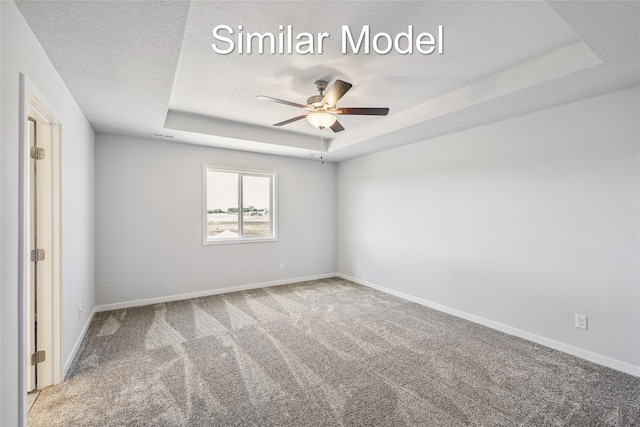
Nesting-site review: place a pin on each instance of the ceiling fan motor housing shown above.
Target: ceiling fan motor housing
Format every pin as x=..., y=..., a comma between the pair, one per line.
x=315, y=100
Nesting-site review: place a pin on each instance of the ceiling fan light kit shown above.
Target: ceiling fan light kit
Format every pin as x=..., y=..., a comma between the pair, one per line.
x=323, y=109
x=321, y=120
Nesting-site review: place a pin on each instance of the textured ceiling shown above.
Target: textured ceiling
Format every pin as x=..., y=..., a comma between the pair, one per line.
x=142, y=67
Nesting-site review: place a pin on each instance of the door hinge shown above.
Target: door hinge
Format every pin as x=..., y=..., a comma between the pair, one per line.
x=37, y=255
x=37, y=153
x=38, y=357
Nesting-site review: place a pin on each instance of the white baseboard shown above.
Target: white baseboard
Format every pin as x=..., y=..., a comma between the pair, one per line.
x=547, y=342
x=76, y=346
x=149, y=301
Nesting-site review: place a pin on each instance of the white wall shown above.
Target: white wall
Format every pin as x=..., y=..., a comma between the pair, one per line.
x=1, y=270
x=523, y=222
x=21, y=52
x=149, y=205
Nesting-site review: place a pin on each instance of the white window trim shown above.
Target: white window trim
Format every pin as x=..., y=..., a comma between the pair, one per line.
x=273, y=213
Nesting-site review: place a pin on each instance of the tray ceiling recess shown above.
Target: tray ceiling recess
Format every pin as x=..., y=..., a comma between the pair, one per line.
x=148, y=67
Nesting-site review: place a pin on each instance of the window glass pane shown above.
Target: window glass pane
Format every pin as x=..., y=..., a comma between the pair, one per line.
x=222, y=205
x=239, y=206
x=256, y=202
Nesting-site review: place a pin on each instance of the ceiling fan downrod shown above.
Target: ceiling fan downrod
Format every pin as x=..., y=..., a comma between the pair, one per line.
x=321, y=85
x=316, y=100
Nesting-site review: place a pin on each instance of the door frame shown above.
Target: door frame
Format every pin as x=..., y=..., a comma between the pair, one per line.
x=31, y=99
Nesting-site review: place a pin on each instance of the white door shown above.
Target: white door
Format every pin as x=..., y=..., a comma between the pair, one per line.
x=39, y=236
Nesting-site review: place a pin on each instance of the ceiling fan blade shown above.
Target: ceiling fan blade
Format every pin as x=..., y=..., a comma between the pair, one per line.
x=363, y=111
x=336, y=91
x=280, y=101
x=336, y=127
x=286, y=122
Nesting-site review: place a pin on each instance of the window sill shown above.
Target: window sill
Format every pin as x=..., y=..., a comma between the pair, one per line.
x=238, y=241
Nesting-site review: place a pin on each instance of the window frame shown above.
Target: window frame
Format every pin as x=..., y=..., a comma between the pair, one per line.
x=273, y=209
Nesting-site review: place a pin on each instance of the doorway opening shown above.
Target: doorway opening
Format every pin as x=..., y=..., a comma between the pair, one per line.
x=41, y=335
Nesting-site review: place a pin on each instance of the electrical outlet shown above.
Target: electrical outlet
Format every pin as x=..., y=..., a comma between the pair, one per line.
x=282, y=266
x=360, y=266
x=581, y=321
x=79, y=311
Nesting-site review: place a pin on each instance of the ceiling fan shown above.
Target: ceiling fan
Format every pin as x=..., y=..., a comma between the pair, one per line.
x=323, y=109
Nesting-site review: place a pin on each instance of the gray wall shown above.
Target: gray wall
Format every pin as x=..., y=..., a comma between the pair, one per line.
x=1, y=259
x=21, y=52
x=149, y=221
x=522, y=223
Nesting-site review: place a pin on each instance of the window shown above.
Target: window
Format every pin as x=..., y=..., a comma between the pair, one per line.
x=240, y=206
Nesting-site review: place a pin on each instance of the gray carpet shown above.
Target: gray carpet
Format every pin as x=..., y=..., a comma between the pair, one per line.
x=323, y=353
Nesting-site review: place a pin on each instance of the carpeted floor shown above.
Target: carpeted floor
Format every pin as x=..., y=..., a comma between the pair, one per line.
x=323, y=353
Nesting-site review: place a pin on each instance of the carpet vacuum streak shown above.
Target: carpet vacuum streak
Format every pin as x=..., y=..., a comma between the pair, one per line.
x=323, y=353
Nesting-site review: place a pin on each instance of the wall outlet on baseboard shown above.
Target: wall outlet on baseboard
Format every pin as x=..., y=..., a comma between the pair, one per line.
x=79, y=311
x=282, y=266
x=360, y=266
x=581, y=321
